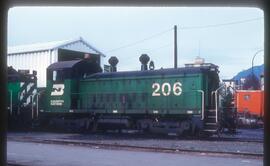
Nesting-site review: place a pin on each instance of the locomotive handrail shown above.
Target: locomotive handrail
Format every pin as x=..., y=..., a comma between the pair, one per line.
x=32, y=106
x=35, y=94
x=19, y=96
x=37, y=103
x=223, y=85
x=232, y=88
x=201, y=91
x=213, y=92
x=216, y=98
x=10, y=107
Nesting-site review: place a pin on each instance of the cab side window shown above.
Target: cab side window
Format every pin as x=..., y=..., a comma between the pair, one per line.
x=57, y=75
x=54, y=75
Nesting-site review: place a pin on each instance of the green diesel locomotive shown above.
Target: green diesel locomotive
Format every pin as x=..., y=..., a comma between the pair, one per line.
x=181, y=100
x=22, y=98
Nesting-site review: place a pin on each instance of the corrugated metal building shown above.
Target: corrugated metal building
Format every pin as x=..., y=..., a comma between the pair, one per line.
x=40, y=55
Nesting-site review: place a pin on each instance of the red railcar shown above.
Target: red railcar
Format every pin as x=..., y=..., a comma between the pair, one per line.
x=250, y=107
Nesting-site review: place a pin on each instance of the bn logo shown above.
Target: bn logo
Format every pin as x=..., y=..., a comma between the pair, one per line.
x=58, y=90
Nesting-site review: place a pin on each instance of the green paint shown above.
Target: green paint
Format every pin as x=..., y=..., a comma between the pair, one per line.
x=60, y=103
x=134, y=95
x=14, y=88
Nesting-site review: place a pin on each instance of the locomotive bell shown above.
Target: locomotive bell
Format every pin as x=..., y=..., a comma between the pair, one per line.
x=90, y=57
x=113, y=61
x=86, y=56
x=151, y=65
x=144, y=59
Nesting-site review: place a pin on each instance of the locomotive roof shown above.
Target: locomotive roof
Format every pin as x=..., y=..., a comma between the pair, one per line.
x=64, y=64
x=169, y=71
x=14, y=75
x=80, y=63
x=74, y=68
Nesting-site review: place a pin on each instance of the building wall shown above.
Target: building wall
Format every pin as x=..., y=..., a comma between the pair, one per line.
x=40, y=60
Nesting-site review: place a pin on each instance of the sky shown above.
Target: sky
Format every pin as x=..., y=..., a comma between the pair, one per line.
x=228, y=37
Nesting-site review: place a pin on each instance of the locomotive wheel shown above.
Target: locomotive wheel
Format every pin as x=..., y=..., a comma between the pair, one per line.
x=193, y=130
x=94, y=127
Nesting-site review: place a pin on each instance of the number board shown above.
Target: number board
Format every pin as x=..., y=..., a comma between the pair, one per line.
x=166, y=89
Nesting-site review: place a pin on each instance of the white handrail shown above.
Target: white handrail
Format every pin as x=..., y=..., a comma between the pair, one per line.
x=37, y=104
x=201, y=91
x=32, y=98
x=10, y=107
x=216, y=98
x=36, y=94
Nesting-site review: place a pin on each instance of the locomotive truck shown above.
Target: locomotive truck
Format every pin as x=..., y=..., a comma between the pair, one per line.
x=187, y=100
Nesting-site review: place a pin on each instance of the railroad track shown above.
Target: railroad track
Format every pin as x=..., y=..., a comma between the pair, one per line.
x=136, y=148
x=228, y=139
x=11, y=163
x=185, y=138
x=126, y=135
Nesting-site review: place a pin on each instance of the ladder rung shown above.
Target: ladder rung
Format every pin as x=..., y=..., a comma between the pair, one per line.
x=210, y=130
x=210, y=123
x=211, y=117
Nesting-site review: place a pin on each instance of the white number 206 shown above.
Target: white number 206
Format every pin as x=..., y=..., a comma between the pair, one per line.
x=166, y=89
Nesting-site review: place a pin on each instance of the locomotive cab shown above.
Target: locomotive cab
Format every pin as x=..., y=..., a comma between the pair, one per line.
x=62, y=83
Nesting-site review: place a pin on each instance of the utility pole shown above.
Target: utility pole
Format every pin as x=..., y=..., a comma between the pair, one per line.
x=175, y=46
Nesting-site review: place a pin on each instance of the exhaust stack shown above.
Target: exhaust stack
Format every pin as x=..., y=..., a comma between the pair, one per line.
x=113, y=61
x=144, y=59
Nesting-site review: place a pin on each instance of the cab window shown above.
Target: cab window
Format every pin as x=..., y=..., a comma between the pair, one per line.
x=54, y=75
x=57, y=75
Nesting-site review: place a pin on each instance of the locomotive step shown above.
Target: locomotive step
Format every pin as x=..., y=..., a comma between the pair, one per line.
x=211, y=117
x=210, y=127
x=209, y=130
x=211, y=111
x=212, y=124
